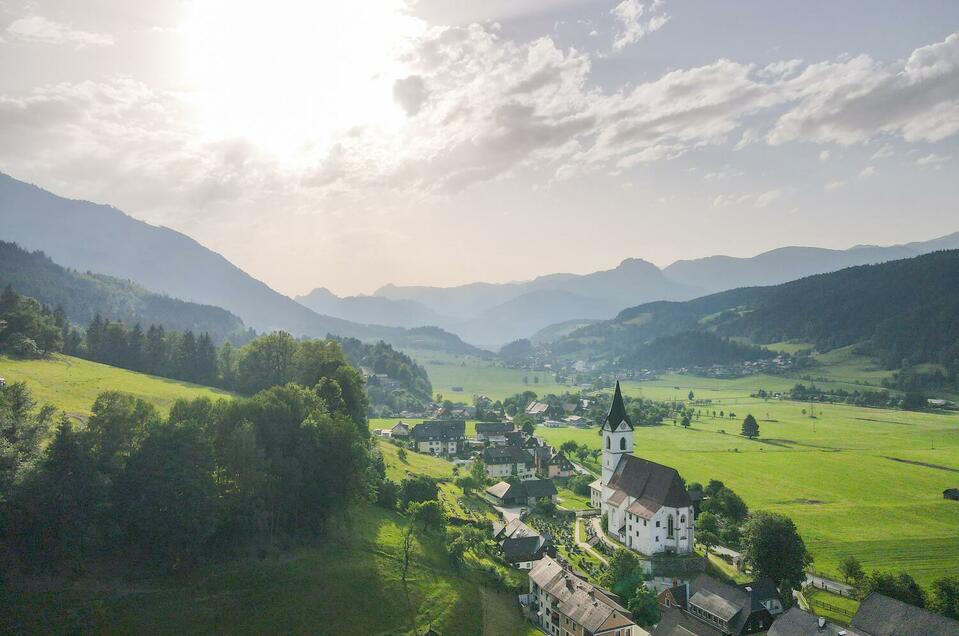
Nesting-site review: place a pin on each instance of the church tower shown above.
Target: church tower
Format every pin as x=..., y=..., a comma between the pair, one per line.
x=617, y=433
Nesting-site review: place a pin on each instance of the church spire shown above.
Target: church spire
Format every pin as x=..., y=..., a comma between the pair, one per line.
x=617, y=412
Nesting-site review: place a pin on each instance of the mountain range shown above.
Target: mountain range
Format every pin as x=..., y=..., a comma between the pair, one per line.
x=98, y=238
x=901, y=312
x=491, y=314
x=91, y=237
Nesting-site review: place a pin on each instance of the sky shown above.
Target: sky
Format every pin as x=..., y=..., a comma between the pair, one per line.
x=348, y=145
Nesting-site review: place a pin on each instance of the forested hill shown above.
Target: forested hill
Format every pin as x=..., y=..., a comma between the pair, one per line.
x=384, y=359
x=902, y=312
x=84, y=295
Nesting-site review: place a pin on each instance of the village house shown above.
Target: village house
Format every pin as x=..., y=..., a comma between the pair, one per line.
x=797, y=622
x=493, y=433
x=440, y=437
x=400, y=430
x=523, y=552
x=646, y=504
x=506, y=461
x=578, y=421
x=554, y=423
x=879, y=615
x=537, y=410
x=552, y=463
x=563, y=604
x=525, y=493
x=725, y=608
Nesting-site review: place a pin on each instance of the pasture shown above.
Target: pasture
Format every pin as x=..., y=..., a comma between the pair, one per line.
x=480, y=377
x=72, y=384
x=859, y=481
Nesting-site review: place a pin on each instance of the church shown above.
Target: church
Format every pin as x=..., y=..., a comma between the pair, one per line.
x=646, y=504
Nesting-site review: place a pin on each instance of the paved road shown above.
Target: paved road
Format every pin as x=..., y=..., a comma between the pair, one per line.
x=582, y=470
x=829, y=585
x=836, y=587
x=598, y=527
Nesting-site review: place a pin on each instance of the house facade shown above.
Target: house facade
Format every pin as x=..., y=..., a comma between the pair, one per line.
x=711, y=606
x=506, y=461
x=493, y=433
x=440, y=437
x=646, y=504
x=553, y=463
x=563, y=604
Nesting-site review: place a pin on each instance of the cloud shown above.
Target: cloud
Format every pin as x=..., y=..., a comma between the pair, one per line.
x=932, y=159
x=410, y=93
x=832, y=186
x=41, y=30
x=868, y=171
x=884, y=152
x=632, y=26
x=757, y=200
x=853, y=101
x=824, y=155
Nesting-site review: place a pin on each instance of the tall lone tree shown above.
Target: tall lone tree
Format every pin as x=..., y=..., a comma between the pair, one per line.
x=772, y=547
x=750, y=427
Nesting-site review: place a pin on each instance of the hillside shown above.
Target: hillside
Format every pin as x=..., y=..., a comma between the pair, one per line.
x=71, y=384
x=901, y=312
x=83, y=295
x=99, y=238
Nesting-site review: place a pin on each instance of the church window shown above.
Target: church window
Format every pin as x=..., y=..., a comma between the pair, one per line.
x=669, y=526
x=607, y=442
x=682, y=519
x=622, y=443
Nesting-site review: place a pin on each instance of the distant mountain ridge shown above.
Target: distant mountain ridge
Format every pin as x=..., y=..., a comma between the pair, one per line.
x=902, y=312
x=99, y=238
x=491, y=313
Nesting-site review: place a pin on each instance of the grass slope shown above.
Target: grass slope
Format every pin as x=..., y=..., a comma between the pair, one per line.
x=831, y=474
x=351, y=585
x=72, y=384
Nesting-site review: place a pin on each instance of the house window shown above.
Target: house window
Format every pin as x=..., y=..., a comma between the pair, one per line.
x=657, y=538
x=682, y=519
x=657, y=524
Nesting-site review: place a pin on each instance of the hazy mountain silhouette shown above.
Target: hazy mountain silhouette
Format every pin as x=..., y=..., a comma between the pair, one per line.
x=99, y=238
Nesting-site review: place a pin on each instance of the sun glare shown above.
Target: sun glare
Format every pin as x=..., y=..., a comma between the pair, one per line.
x=293, y=76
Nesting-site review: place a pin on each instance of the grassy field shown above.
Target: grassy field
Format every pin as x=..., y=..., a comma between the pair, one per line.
x=479, y=377
x=838, y=609
x=72, y=384
x=839, y=475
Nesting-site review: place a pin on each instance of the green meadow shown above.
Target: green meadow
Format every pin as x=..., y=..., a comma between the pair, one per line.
x=479, y=377
x=859, y=481
x=72, y=384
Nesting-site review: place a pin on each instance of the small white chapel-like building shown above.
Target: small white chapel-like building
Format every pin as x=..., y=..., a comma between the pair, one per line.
x=645, y=503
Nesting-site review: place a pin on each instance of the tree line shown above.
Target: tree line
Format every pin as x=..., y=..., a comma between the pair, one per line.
x=210, y=479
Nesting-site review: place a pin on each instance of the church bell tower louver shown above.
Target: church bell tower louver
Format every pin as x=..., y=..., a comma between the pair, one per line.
x=617, y=433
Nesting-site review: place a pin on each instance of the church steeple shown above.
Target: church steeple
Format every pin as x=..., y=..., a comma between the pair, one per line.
x=617, y=413
x=617, y=433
